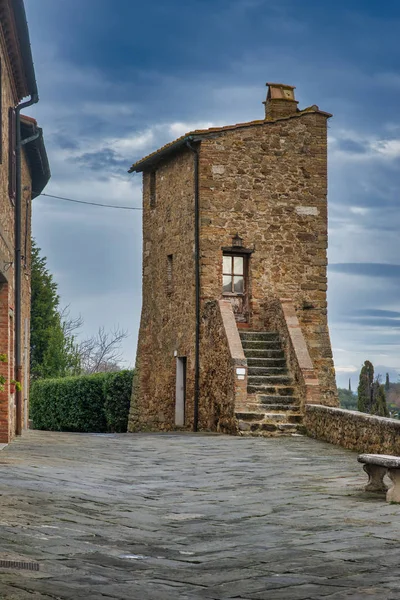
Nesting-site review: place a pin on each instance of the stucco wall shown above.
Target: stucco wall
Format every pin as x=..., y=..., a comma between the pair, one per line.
x=353, y=430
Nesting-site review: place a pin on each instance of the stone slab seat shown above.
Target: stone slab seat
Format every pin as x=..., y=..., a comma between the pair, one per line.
x=376, y=466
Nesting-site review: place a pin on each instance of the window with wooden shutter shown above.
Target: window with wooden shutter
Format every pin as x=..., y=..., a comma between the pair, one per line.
x=12, y=184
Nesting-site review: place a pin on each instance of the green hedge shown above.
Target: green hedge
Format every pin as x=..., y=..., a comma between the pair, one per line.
x=89, y=403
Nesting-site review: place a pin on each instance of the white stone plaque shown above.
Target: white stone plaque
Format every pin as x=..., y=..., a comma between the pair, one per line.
x=311, y=211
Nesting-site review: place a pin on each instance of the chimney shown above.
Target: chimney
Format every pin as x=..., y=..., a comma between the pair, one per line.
x=280, y=101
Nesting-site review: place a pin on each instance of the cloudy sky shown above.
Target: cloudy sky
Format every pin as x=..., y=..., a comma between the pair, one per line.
x=119, y=78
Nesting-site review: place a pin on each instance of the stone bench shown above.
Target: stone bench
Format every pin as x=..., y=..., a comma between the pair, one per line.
x=377, y=466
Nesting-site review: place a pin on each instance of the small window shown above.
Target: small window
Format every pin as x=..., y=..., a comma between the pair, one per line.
x=152, y=189
x=170, y=274
x=233, y=275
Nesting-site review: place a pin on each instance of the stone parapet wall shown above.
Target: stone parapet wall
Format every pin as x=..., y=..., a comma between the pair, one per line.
x=353, y=430
x=281, y=317
x=221, y=354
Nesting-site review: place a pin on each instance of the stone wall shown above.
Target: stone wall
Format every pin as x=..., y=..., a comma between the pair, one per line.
x=353, y=430
x=7, y=245
x=281, y=317
x=167, y=327
x=217, y=373
x=26, y=244
x=268, y=182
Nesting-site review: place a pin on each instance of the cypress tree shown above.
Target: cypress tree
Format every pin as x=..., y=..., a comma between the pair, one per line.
x=53, y=353
x=387, y=383
x=364, y=390
x=379, y=400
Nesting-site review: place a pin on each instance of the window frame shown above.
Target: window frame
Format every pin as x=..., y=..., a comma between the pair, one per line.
x=233, y=273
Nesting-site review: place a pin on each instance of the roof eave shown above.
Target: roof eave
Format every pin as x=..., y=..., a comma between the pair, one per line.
x=44, y=177
x=149, y=162
x=25, y=47
x=37, y=157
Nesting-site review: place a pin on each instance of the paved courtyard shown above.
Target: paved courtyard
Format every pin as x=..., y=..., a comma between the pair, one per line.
x=184, y=516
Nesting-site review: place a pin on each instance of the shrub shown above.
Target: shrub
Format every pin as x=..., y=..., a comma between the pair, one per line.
x=89, y=403
x=117, y=398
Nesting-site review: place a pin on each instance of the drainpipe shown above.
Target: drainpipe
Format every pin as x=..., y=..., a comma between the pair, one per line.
x=197, y=286
x=18, y=256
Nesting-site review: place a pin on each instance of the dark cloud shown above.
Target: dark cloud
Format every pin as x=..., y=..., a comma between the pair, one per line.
x=373, y=322
x=65, y=143
x=104, y=160
x=352, y=146
x=367, y=269
x=145, y=64
x=374, y=312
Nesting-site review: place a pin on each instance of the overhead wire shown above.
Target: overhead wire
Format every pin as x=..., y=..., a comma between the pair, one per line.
x=92, y=203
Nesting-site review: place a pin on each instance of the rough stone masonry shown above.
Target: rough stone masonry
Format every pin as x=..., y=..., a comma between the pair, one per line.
x=262, y=235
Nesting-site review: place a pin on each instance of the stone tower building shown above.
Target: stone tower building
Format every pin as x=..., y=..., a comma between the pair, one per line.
x=234, y=334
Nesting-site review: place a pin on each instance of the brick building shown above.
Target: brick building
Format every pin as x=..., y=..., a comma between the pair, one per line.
x=24, y=172
x=234, y=333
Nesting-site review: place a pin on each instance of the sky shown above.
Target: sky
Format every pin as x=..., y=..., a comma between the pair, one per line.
x=118, y=79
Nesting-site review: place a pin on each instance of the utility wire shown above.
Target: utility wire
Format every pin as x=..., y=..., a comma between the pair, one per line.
x=92, y=203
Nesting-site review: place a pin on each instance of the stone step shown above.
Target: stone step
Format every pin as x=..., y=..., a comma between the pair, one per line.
x=278, y=390
x=261, y=344
x=295, y=418
x=246, y=415
x=264, y=353
x=256, y=407
x=279, y=406
x=261, y=371
x=261, y=381
x=266, y=400
x=259, y=335
x=261, y=428
x=266, y=362
x=246, y=428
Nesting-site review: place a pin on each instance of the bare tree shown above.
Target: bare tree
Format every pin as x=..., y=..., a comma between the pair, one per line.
x=70, y=325
x=102, y=352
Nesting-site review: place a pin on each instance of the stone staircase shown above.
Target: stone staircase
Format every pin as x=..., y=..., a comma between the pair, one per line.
x=271, y=407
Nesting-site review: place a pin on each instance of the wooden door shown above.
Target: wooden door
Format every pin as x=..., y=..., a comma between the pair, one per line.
x=180, y=393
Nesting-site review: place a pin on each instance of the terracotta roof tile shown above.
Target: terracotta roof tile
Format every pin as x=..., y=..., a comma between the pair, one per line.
x=141, y=164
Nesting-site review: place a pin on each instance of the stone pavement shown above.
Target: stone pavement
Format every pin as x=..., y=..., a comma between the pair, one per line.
x=184, y=516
